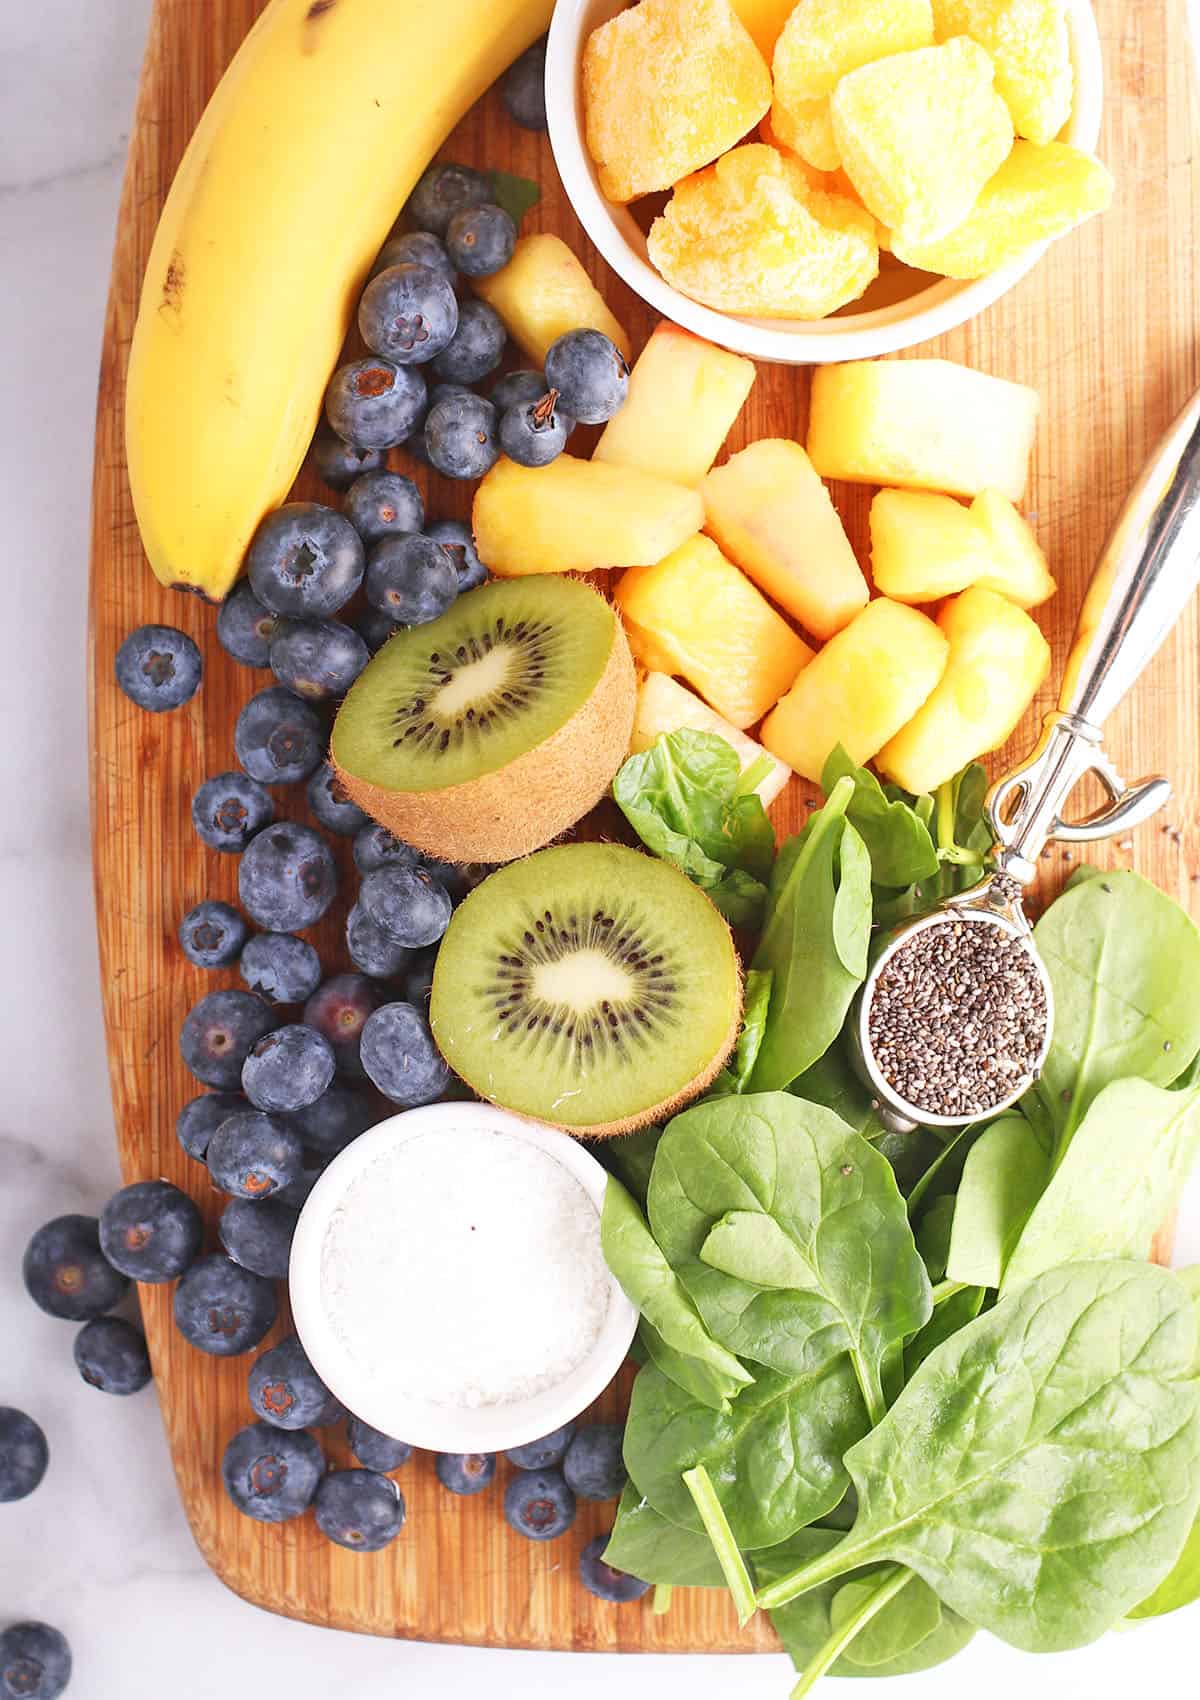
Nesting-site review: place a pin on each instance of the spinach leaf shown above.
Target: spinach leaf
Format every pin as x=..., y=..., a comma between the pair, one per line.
x=517, y=195
x=1124, y=961
x=1181, y=1587
x=648, y=1281
x=900, y=1627
x=756, y=1002
x=896, y=838
x=1120, y=1178
x=704, y=1381
x=815, y=926
x=933, y=1235
x=685, y=800
x=951, y=1314
x=831, y=1081
x=767, y=1185
x=647, y=1546
x=630, y=1157
x=1003, y=1177
x=1043, y=1465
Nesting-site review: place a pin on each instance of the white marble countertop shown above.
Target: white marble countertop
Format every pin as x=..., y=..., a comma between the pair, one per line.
x=102, y=1549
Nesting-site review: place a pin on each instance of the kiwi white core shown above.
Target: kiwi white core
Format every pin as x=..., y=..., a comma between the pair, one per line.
x=473, y=683
x=581, y=980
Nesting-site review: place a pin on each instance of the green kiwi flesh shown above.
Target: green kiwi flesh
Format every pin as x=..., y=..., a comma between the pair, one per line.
x=588, y=985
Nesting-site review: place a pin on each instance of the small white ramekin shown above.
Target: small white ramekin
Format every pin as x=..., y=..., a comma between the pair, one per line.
x=848, y=335
x=436, y=1427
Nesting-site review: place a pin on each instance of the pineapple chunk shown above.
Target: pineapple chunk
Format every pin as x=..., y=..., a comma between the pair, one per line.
x=684, y=396
x=748, y=235
x=824, y=39
x=865, y=684
x=998, y=659
x=920, y=133
x=827, y=182
x=951, y=17
x=574, y=516
x=772, y=515
x=1031, y=48
x=694, y=613
x=1038, y=193
x=1017, y=567
x=668, y=86
x=544, y=291
x=924, y=424
x=806, y=127
x=764, y=19
x=924, y=547
x=664, y=705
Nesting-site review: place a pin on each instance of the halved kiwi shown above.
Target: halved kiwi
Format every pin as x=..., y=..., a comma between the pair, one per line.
x=590, y=986
x=488, y=732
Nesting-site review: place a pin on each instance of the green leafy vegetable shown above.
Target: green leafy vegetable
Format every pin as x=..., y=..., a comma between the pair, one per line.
x=716, y=1526
x=896, y=838
x=1004, y=1176
x=832, y=1081
x=517, y=195
x=933, y=1235
x=949, y=1315
x=885, y=1635
x=756, y=1002
x=631, y=1157
x=1181, y=1587
x=707, y=1384
x=646, y=1545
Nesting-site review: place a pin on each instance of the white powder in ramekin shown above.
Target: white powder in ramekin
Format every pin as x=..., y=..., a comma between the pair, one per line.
x=464, y=1268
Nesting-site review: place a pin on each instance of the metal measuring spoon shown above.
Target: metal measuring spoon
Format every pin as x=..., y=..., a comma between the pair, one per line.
x=1147, y=570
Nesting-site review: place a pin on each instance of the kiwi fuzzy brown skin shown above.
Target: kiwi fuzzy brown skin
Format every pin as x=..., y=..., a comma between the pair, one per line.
x=530, y=801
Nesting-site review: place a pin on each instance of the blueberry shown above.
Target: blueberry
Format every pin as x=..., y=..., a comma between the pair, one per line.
x=287, y=878
x=338, y=463
x=339, y=1009
x=480, y=240
x=523, y=89
x=374, y=403
x=448, y=390
x=410, y=905
x=476, y=348
x=317, y=659
x=67, y=1274
x=590, y=374
x=159, y=668
x=460, y=436
x=338, y=1116
x=401, y=1058
x=35, y=1662
x=253, y=1155
x=593, y=1466
x=516, y=387
x=223, y=1309
x=407, y=315
x=212, y=935
x=280, y=967
x=415, y=248
x=229, y=809
x=443, y=191
x=602, y=1580
x=418, y=982
x=455, y=536
x=200, y=1118
x=465, y=1472
x=245, y=625
x=375, y=627
x=277, y=738
x=534, y=433
x=331, y=805
x=454, y=877
x=151, y=1231
x=288, y=1069
x=539, y=1505
x=544, y=1453
x=383, y=503
x=374, y=1449
x=24, y=1454
x=375, y=847
x=359, y=1509
x=306, y=560
x=286, y=1390
x=111, y=1356
x=258, y=1234
x=272, y=1474
x=411, y=578
x=372, y=950
x=293, y=1197
x=218, y=1035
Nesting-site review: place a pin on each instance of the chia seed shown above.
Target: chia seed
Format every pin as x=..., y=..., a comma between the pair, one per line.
x=957, y=1018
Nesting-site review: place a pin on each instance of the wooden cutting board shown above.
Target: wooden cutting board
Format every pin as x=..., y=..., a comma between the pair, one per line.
x=1105, y=328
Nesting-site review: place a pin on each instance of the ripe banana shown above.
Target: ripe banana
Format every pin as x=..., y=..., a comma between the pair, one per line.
x=309, y=146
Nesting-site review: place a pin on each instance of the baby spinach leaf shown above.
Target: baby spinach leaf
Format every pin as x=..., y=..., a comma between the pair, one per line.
x=933, y=1235
x=831, y=1081
x=756, y=1002
x=647, y=1546
x=517, y=195
x=896, y=838
x=892, y=1632
x=833, y=1229
x=630, y=1157
x=1003, y=1177
x=1181, y=1587
x=1120, y=1178
x=706, y=1383
x=953, y=1313
x=818, y=921
x=1043, y=1465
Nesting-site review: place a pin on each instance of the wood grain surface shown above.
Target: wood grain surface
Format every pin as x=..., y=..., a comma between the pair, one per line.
x=1105, y=328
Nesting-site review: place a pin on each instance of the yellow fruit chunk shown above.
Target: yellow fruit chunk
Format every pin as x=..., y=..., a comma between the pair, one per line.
x=919, y=135
x=764, y=19
x=749, y=235
x=951, y=17
x=824, y=39
x=859, y=690
x=668, y=86
x=807, y=129
x=827, y=182
x=574, y=516
x=544, y=291
x=1031, y=49
x=684, y=395
x=1038, y=193
x=772, y=515
x=1017, y=568
x=696, y=614
x=998, y=658
x=664, y=705
x=924, y=547
x=923, y=424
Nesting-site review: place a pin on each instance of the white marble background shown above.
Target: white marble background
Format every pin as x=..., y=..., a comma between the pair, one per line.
x=102, y=1549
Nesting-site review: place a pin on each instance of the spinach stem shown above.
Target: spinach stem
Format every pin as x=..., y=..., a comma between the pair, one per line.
x=947, y=1289
x=841, y=1559
x=753, y=776
x=716, y=1526
x=945, y=818
x=662, y=1598
x=891, y=1581
x=872, y=1387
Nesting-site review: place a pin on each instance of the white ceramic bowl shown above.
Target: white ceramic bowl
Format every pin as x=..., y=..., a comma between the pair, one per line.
x=858, y=332
x=438, y=1427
